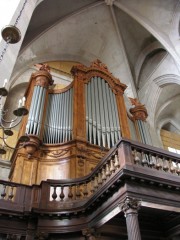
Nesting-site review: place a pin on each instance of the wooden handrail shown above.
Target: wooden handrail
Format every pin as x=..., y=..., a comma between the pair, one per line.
x=51, y=194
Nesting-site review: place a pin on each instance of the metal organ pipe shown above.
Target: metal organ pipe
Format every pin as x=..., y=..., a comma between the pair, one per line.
x=89, y=117
x=98, y=119
x=110, y=110
x=116, y=117
x=107, y=125
x=58, y=120
x=36, y=111
x=94, y=123
x=102, y=114
x=102, y=122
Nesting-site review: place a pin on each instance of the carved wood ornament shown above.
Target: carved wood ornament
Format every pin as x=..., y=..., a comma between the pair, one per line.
x=139, y=110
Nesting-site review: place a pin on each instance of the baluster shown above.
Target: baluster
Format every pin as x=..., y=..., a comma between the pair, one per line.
x=3, y=194
x=144, y=159
x=136, y=157
x=85, y=191
x=112, y=168
x=103, y=175
x=11, y=195
x=151, y=161
x=62, y=193
x=99, y=178
x=158, y=163
x=95, y=182
x=70, y=194
x=116, y=163
x=92, y=186
x=78, y=193
x=178, y=168
x=108, y=173
x=172, y=167
x=54, y=195
x=165, y=165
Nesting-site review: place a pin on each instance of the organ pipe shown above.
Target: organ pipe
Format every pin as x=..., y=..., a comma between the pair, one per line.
x=58, y=119
x=36, y=111
x=102, y=120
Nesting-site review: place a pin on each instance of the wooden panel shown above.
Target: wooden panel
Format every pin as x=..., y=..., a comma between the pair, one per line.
x=123, y=116
x=79, y=123
x=52, y=170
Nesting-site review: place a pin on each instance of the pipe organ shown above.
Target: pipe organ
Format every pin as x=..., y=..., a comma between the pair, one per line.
x=36, y=111
x=102, y=123
x=70, y=129
x=58, y=118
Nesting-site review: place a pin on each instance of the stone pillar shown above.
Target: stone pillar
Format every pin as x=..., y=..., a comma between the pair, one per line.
x=130, y=208
x=89, y=234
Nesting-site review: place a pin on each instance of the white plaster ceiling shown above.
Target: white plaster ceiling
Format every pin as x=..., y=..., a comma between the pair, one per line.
x=123, y=36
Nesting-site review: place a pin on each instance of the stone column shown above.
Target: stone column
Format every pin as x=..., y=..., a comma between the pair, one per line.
x=130, y=208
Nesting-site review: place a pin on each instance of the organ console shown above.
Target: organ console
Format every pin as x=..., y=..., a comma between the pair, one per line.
x=70, y=129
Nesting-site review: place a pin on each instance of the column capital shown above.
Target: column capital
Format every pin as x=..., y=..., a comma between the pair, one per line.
x=89, y=233
x=41, y=236
x=130, y=206
x=139, y=110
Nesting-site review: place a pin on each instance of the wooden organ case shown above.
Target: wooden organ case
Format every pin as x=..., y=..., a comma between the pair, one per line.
x=70, y=129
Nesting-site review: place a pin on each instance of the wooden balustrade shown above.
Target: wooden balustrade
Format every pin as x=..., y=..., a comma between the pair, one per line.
x=7, y=191
x=57, y=195
x=160, y=160
x=81, y=189
x=14, y=197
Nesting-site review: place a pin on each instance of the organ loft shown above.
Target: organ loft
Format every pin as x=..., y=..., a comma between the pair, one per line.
x=71, y=129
